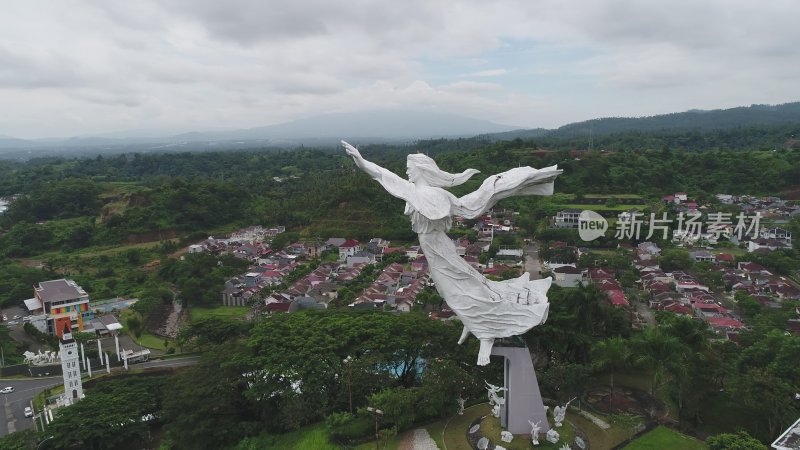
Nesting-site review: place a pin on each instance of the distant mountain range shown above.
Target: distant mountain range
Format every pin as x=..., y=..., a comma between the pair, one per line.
x=386, y=126
x=717, y=119
x=366, y=126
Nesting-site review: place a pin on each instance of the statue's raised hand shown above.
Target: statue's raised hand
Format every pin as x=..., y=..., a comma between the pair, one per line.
x=351, y=151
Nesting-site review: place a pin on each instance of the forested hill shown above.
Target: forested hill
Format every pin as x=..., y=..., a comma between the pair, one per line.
x=718, y=119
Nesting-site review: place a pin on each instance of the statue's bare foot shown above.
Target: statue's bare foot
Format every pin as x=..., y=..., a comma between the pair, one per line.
x=485, y=351
x=464, y=335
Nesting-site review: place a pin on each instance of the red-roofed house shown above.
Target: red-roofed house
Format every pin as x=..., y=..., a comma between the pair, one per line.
x=421, y=263
x=679, y=309
x=709, y=310
x=725, y=258
x=600, y=274
x=617, y=298
x=278, y=307
x=786, y=292
x=348, y=248
x=751, y=267
x=725, y=324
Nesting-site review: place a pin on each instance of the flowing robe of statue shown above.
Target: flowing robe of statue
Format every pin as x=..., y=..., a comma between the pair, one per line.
x=488, y=309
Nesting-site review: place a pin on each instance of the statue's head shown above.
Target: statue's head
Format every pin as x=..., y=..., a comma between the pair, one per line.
x=423, y=169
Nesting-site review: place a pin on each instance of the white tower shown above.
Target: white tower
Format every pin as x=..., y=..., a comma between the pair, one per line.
x=70, y=367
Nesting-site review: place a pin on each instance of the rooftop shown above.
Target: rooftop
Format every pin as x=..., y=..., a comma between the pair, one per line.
x=59, y=290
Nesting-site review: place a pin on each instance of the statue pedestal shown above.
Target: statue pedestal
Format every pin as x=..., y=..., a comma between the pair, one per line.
x=523, y=401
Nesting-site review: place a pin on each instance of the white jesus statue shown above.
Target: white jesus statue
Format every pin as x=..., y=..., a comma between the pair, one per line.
x=488, y=309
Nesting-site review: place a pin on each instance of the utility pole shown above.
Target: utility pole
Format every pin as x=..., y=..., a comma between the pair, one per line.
x=349, y=367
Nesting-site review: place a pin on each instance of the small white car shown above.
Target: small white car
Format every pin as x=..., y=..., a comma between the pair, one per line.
x=28, y=411
x=7, y=390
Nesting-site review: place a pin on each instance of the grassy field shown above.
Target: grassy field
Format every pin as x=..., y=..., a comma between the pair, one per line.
x=603, y=207
x=392, y=444
x=490, y=428
x=598, y=438
x=454, y=432
x=236, y=312
x=150, y=341
x=662, y=438
x=312, y=437
x=436, y=430
x=613, y=195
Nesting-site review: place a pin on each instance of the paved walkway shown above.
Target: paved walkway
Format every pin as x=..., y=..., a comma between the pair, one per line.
x=596, y=420
x=532, y=263
x=418, y=439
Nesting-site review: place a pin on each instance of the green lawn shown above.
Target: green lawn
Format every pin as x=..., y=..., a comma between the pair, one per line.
x=238, y=312
x=735, y=251
x=150, y=341
x=664, y=438
x=601, y=207
x=490, y=428
x=312, y=437
x=612, y=195
x=598, y=438
x=436, y=430
x=454, y=432
x=392, y=444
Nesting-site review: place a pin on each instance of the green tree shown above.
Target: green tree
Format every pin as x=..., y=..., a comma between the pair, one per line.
x=22, y=440
x=213, y=331
x=656, y=352
x=134, y=323
x=206, y=407
x=315, y=345
x=399, y=405
x=611, y=355
x=91, y=424
x=675, y=259
x=734, y=441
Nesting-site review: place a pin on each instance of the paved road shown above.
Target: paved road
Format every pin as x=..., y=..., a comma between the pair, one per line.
x=532, y=263
x=177, y=362
x=12, y=417
x=645, y=313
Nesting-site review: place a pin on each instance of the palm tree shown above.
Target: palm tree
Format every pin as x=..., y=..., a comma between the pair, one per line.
x=657, y=352
x=693, y=333
x=611, y=354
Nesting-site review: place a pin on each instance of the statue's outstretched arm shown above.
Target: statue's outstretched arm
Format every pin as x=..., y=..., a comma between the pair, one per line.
x=390, y=181
x=518, y=181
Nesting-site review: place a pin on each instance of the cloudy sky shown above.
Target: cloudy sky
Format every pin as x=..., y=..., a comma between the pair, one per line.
x=71, y=67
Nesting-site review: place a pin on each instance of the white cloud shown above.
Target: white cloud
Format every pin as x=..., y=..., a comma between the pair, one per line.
x=485, y=73
x=88, y=66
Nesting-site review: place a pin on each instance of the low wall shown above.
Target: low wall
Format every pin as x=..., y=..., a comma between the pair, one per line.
x=17, y=369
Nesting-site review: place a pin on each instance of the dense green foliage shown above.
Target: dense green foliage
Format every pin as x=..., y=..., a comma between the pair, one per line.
x=16, y=281
x=200, y=276
x=721, y=119
x=287, y=371
x=737, y=441
x=664, y=438
x=116, y=413
x=319, y=190
x=295, y=369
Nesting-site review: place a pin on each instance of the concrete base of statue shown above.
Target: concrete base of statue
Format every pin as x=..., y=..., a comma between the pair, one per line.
x=523, y=401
